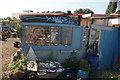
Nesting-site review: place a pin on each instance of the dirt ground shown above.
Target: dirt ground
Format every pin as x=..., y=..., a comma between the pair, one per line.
x=7, y=52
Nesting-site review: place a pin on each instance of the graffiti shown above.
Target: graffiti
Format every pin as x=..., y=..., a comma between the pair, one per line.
x=54, y=19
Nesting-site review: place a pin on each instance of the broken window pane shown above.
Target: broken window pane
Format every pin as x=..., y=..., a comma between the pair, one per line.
x=48, y=36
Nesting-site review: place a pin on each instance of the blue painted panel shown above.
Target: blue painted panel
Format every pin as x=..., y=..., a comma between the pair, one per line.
x=48, y=47
x=77, y=37
x=48, y=24
x=23, y=36
x=108, y=48
x=102, y=27
x=119, y=41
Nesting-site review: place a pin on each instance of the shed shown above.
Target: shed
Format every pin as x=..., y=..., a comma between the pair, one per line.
x=58, y=33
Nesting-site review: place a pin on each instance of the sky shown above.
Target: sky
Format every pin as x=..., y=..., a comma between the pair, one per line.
x=7, y=7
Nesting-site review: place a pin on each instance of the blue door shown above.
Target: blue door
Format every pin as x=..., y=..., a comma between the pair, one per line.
x=108, y=46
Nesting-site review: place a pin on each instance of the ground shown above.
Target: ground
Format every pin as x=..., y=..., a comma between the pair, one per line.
x=7, y=52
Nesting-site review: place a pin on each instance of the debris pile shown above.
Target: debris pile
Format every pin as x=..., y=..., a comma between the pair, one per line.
x=17, y=74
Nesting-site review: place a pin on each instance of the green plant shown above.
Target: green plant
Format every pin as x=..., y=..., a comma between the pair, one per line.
x=83, y=11
x=19, y=63
x=71, y=61
x=112, y=7
x=109, y=75
x=18, y=27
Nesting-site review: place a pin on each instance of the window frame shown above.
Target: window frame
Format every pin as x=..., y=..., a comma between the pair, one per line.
x=77, y=35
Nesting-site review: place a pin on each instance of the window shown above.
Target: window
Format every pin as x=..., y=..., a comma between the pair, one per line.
x=48, y=36
x=95, y=33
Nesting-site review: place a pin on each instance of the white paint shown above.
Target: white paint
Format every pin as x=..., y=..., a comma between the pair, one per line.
x=101, y=22
x=31, y=55
x=114, y=21
x=57, y=20
x=107, y=22
x=118, y=5
x=53, y=36
x=87, y=15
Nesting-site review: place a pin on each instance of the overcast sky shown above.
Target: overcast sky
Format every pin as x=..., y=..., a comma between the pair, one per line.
x=7, y=7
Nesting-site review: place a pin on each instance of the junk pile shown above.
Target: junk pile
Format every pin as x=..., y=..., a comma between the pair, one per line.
x=35, y=68
x=14, y=74
x=38, y=67
x=49, y=67
x=43, y=68
x=74, y=73
x=32, y=66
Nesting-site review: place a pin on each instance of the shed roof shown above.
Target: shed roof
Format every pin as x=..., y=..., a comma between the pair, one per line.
x=57, y=14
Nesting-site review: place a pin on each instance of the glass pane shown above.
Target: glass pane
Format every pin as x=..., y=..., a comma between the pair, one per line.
x=48, y=36
x=95, y=35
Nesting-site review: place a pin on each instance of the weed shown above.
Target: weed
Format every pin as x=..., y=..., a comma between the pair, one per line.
x=71, y=61
x=19, y=64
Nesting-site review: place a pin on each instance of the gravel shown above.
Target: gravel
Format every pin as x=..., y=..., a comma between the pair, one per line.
x=7, y=50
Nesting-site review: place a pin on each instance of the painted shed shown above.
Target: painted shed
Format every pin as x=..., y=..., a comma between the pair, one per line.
x=108, y=46
x=56, y=33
